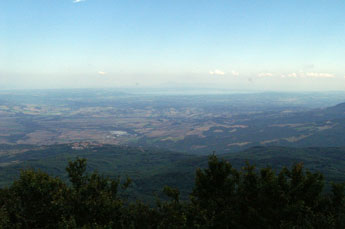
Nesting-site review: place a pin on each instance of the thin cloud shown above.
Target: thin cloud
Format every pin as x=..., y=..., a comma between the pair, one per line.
x=217, y=72
x=265, y=74
x=234, y=73
x=309, y=75
x=78, y=1
x=319, y=75
x=292, y=75
x=102, y=73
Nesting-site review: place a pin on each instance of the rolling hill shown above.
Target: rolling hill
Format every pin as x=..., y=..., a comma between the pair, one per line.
x=151, y=169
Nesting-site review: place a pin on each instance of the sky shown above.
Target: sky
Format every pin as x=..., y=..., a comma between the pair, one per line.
x=294, y=45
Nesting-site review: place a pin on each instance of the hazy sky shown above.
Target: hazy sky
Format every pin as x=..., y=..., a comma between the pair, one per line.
x=245, y=45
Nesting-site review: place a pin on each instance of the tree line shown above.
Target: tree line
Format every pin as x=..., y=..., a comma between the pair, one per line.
x=222, y=197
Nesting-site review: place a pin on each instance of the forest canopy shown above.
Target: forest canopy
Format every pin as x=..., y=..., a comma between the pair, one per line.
x=222, y=197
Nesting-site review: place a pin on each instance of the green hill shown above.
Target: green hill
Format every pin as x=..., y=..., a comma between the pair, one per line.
x=151, y=169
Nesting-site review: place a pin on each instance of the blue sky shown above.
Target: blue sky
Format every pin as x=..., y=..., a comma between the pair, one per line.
x=243, y=45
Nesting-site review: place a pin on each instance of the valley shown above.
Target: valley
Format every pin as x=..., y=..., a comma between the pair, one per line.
x=196, y=124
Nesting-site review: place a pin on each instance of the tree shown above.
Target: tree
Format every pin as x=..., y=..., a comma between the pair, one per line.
x=93, y=198
x=214, y=194
x=223, y=197
x=36, y=200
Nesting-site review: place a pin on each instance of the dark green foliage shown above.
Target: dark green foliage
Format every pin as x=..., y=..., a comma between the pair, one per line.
x=248, y=199
x=214, y=192
x=222, y=197
x=152, y=169
x=35, y=200
x=93, y=199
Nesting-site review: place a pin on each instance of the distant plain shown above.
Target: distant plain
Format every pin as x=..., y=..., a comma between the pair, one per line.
x=190, y=122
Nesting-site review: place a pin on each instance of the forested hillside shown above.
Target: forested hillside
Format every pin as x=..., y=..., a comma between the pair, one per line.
x=151, y=169
x=222, y=197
